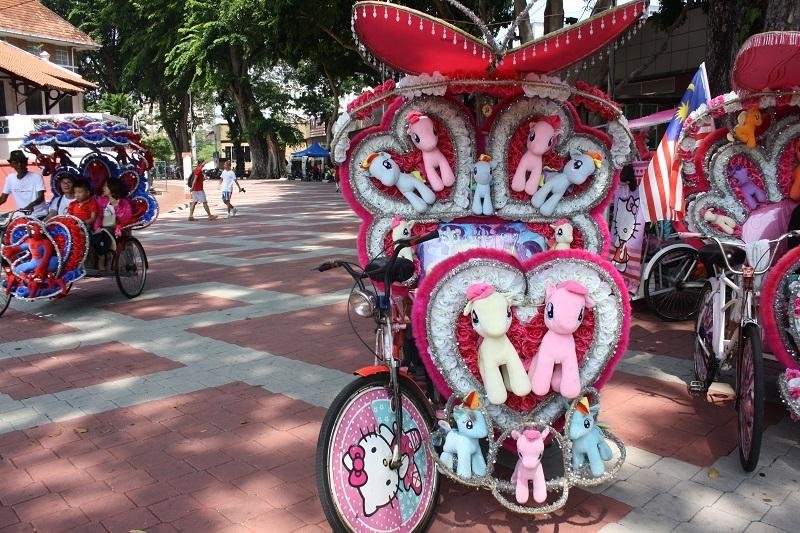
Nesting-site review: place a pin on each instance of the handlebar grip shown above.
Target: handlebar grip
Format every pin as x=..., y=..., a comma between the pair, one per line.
x=413, y=241
x=327, y=265
x=690, y=235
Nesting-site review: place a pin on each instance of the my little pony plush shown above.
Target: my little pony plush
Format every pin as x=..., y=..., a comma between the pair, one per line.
x=541, y=138
x=563, y=234
x=564, y=306
x=437, y=169
x=381, y=165
x=725, y=223
x=753, y=195
x=482, y=174
x=588, y=443
x=530, y=448
x=745, y=131
x=401, y=229
x=498, y=362
x=464, y=441
x=576, y=171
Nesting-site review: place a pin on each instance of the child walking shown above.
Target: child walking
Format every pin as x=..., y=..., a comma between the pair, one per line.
x=228, y=179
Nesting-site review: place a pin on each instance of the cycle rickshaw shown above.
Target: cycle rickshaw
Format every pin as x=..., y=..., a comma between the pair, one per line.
x=497, y=267
x=43, y=259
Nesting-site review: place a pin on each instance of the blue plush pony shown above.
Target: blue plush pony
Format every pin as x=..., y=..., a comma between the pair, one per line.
x=464, y=442
x=588, y=443
x=576, y=171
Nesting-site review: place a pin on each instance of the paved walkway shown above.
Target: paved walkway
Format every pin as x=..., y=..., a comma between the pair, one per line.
x=197, y=406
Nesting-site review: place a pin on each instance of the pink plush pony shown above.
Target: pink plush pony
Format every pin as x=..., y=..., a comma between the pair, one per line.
x=564, y=305
x=420, y=128
x=541, y=138
x=530, y=447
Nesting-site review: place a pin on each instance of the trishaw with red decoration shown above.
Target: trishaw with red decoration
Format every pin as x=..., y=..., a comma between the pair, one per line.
x=749, y=168
x=43, y=258
x=482, y=196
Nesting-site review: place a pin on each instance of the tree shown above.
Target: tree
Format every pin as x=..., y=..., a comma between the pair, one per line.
x=782, y=15
x=160, y=146
x=119, y=104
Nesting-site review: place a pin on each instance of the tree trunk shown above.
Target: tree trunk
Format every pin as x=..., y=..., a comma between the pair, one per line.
x=174, y=119
x=722, y=43
x=333, y=84
x=525, y=30
x=782, y=15
x=249, y=115
x=553, y=16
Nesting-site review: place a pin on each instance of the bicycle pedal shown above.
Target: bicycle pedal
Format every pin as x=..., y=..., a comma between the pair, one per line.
x=697, y=388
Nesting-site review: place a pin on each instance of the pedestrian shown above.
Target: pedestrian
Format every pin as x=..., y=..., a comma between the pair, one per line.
x=228, y=179
x=198, y=194
x=25, y=188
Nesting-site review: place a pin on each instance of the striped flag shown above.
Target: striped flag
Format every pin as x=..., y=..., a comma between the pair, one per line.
x=661, y=188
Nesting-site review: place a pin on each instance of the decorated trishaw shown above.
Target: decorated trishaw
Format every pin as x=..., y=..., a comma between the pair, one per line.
x=743, y=151
x=482, y=196
x=43, y=258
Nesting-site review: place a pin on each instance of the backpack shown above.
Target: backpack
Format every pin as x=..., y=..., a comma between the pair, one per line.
x=190, y=180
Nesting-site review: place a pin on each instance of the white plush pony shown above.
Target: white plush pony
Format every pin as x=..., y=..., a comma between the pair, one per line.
x=482, y=174
x=381, y=165
x=563, y=234
x=401, y=229
x=723, y=222
x=498, y=362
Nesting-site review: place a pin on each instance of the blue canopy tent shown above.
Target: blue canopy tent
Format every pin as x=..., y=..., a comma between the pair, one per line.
x=301, y=162
x=315, y=150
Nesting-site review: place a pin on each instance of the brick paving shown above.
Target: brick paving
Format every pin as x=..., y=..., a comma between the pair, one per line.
x=197, y=406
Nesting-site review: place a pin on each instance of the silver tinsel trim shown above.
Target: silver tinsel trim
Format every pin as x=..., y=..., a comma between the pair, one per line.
x=792, y=404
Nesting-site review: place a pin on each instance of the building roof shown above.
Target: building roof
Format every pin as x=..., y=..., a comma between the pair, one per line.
x=18, y=63
x=30, y=20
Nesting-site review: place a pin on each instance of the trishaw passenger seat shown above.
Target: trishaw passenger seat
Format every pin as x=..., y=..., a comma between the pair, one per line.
x=403, y=269
x=711, y=255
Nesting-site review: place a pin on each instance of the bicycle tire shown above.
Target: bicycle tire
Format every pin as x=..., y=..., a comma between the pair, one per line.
x=705, y=364
x=131, y=267
x=669, y=299
x=750, y=387
x=5, y=298
x=362, y=403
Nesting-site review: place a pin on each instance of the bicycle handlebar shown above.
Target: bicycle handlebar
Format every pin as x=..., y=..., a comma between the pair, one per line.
x=741, y=245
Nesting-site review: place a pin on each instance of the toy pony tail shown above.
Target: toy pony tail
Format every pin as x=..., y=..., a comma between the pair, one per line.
x=597, y=157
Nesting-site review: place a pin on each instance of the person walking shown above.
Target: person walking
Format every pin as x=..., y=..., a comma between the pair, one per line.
x=198, y=194
x=228, y=179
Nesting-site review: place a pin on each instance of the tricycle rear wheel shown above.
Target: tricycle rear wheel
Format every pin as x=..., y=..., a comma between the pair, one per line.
x=131, y=267
x=5, y=297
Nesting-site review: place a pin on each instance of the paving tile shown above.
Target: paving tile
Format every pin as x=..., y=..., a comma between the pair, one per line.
x=695, y=492
x=710, y=519
x=760, y=527
x=634, y=494
x=138, y=518
x=673, y=507
x=61, y=520
x=173, y=306
x=638, y=520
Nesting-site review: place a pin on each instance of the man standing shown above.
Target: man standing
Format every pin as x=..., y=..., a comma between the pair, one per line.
x=25, y=188
x=228, y=179
x=198, y=194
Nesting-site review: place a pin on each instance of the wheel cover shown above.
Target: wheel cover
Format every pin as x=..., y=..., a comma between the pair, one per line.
x=363, y=500
x=668, y=288
x=746, y=399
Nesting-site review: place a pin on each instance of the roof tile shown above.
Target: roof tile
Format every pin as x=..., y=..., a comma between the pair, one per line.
x=21, y=64
x=30, y=17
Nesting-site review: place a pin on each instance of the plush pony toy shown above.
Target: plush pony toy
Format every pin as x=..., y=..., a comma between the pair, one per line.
x=745, y=131
x=463, y=442
x=437, y=169
x=381, y=165
x=401, y=229
x=725, y=223
x=541, y=139
x=576, y=171
x=563, y=234
x=482, y=174
x=564, y=305
x=588, y=442
x=498, y=362
x=530, y=448
x=753, y=195
x=794, y=193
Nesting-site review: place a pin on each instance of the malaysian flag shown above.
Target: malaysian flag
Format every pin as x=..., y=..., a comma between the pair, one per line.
x=661, y=187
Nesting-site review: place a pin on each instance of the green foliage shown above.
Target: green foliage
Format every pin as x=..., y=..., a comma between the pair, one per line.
x=160, y=146
x=117, y=104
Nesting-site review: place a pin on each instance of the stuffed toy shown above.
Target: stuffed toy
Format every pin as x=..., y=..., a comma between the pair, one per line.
x=563, y=306
x=33, y=259
x=463, y=442
x=725, y=223
x=588, y=442
x=563, y=234
x=576, y=171
x=745, y=130
x=482, y=174
x=401, y=229
x=794, y=194
x=437, y=169
x=753, y=195
x=541, y=139
x=498, y=361
x=530, y=448
x=381, y=166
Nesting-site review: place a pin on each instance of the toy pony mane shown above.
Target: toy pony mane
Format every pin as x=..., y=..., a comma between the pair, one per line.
x=553, y=120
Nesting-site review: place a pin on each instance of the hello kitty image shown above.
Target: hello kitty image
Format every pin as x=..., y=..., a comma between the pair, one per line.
x=368, y=465
x=624, y=227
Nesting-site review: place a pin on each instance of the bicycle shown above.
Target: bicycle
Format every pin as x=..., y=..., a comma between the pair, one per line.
x=727, y=330
x=371, y=450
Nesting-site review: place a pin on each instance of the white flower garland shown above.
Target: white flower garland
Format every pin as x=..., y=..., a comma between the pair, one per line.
x=341, y=129
x=414, y=86
x=546, y=87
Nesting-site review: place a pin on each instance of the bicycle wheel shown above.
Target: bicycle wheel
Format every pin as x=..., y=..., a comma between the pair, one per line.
x=705, y=361
x=131, y=268
x=5, y=298
x=750, y=396
x=357, y=489
x=673, y=284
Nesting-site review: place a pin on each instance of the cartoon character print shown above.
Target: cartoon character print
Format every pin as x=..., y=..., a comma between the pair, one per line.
x=368, y=465
x=624, y=227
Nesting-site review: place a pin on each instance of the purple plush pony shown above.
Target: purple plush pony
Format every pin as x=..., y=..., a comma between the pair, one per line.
x=753, y=194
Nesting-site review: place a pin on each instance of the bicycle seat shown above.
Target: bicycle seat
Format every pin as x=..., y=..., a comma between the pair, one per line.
x=403, y=269
x=710, y=255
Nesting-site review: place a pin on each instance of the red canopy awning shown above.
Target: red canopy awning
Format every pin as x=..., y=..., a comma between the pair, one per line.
x=768, y=62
